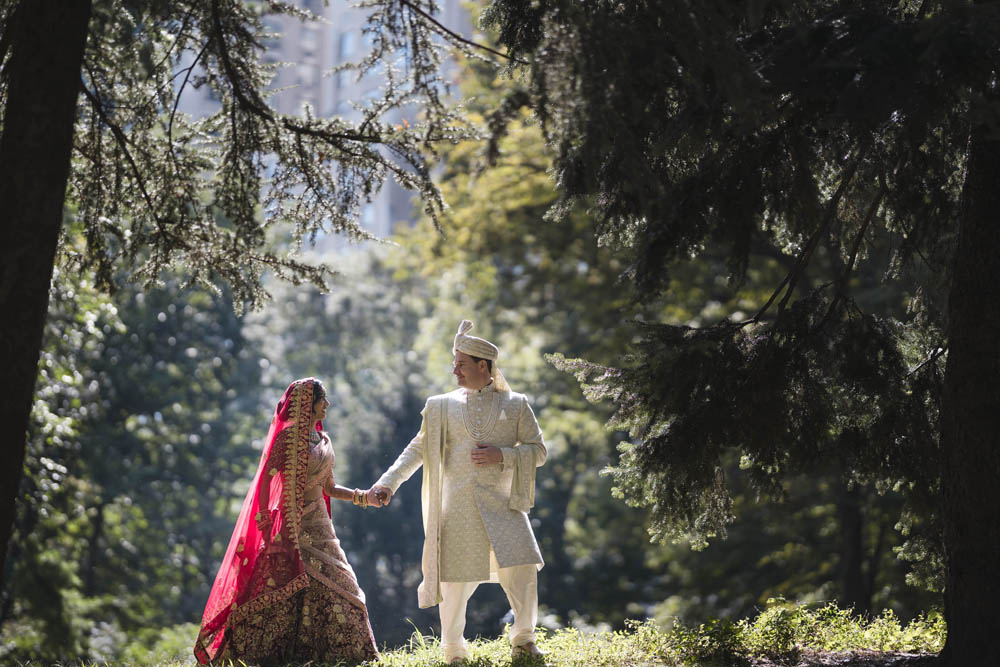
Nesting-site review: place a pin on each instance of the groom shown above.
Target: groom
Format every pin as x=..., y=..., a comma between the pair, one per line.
x=479, y=446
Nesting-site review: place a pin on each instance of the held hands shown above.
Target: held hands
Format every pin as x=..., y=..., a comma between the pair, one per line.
x=382, y=494
x=377, y=496
x=484, y=455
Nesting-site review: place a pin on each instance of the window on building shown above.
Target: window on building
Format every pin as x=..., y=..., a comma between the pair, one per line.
x=348, y=44
x=368, y=39
x=343, y=79
x=344, y=107
x=307, y=74
x=368, y=217
x=310, y=39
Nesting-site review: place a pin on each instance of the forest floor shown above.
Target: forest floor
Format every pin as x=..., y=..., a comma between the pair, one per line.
x=859, y=658
x=604, y=651
x=782, y=635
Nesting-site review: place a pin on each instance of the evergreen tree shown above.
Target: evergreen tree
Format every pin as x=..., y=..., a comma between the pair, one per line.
x=815, y=131
x=562, y=288
x=41, y=603
x=140, y=437
x=89, y=94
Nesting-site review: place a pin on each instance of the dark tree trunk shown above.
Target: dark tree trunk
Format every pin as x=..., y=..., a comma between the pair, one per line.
x=853, y=580
x=554, y=592
x=970, y=420
x=43, y=73
x=875, y=558
x=93, y=549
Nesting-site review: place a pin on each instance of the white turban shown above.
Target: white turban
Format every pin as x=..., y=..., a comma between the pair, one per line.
x=481, y=348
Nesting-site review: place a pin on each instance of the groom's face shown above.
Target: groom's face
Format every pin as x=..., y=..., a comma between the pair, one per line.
x=469, y=373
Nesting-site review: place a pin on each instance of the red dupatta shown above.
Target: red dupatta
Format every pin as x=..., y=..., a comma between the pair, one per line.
x=261, y=569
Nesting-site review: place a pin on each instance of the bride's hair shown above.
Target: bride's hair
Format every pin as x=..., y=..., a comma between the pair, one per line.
x=319, y=392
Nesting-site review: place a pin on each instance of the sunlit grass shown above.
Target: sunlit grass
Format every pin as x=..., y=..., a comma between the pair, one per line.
x=781, y=633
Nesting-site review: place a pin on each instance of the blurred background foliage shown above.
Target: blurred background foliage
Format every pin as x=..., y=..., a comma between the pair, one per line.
x=151, y=406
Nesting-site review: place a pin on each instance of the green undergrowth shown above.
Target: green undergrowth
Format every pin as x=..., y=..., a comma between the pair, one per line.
x=783, y=631
x=779, y=634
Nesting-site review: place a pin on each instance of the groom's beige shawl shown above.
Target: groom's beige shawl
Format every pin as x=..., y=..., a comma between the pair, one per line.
x=435, y=423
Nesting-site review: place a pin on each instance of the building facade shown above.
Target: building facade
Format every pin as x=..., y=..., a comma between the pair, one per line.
x=307, y=53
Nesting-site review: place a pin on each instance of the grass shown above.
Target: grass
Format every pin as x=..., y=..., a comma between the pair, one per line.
x=780, y=635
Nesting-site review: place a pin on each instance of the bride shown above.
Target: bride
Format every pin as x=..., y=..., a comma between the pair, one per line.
x=285, y=591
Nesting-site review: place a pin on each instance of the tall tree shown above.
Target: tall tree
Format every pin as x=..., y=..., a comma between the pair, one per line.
x=89, y=95
x=42, y=612
x=813, y=129
x=42, y=44
x=143, y=424
x=552, y=283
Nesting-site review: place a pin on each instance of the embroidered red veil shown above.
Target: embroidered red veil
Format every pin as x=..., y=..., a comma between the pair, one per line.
x=261, y=569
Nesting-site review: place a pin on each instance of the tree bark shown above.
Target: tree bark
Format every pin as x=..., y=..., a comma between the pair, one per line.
x=93, y=549
x=970, y=419
x=853, y=589
x=43, y=79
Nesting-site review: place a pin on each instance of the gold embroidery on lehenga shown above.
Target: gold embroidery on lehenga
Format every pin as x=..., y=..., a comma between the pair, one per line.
x=297, y=458
x=268, y=599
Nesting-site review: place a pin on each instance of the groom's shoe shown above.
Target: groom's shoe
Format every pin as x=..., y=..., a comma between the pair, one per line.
x=527, y=650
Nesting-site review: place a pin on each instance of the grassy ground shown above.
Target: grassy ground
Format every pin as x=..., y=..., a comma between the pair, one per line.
x=783, y=635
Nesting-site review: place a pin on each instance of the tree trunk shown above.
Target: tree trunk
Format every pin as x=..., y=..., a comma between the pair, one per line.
x=43, y=79
x=555, y=592
x=93, y=549
x=853, y=580
x=970, y=419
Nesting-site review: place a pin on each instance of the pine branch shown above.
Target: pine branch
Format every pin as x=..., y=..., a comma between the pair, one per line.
x=458, y=38
x=177, y=101
x=841, y=283
x=122, y=140
x=802, y=260
x=831, y=213
x=937, y=352
x=257, y=107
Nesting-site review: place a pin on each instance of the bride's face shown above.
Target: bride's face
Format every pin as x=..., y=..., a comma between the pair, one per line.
x=319, y=409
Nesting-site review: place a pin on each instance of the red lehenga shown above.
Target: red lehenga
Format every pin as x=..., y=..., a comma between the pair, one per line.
x=287, y=593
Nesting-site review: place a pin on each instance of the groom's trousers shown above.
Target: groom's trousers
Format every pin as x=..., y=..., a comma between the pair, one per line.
x=520, y=583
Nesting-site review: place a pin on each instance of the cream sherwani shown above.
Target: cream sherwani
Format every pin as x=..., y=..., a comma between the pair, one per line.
x=475, y=517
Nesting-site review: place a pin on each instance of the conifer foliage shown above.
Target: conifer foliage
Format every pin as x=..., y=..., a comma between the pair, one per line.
x=855, y=142
x=90, y=95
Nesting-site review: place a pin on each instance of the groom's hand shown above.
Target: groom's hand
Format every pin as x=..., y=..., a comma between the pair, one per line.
x=484, y=455
x=373, y=498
